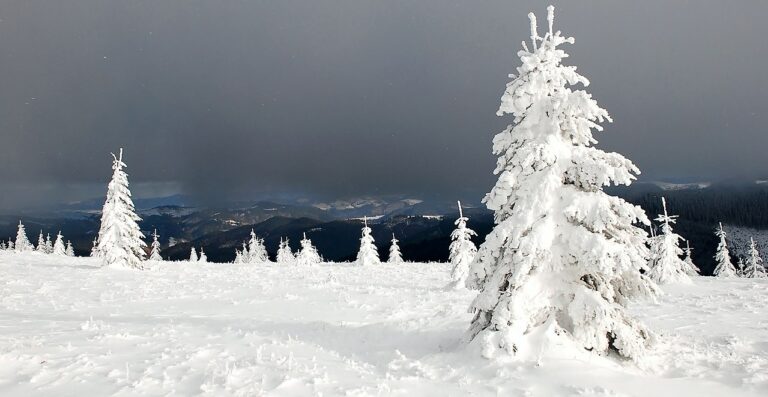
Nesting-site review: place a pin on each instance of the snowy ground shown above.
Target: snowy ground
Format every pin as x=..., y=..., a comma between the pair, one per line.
x=70, y=328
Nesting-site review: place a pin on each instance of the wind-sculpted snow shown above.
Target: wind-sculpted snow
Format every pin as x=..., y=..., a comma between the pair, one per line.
x=70, y=327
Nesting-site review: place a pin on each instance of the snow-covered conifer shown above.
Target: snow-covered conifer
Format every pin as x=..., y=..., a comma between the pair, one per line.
x=22, y=242
x=154, y=254
x=690, y=268
x=95, y=247
x=724, y=266
x=284, y=253
x=665, y=263
x=368, y=254
x=48, y=244
x=754, y=267
x=10, y=246
x=564, y=258
x=40, y=243
x=462, y=251
x=395, y=257
x=121, y=242
x=238, y=256
x=203, y=256
x=58, y=247
x=257, y=252
x=308, y=255
x=70, y=251
x=193, y=255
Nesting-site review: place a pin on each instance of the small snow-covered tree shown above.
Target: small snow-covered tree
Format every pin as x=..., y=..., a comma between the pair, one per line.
x=154, y=254
x=308, y=255
x=740, y=267
x=724, y=266
x=284, y=253
x=367, y=254
x=203, y=256
x=754, y=267
x=461, y=252
x=690, y=268
x=665, y=265
x=48, y=244
x=40, y=243
x=22, y=242
x=257, y=252
x=10, y=246
x=193, y=255
x=238, y=256
x=95, y=247
x=70, y=251
x=58, y=247
x=564, y=258
x=395, y=257
x=121, y=242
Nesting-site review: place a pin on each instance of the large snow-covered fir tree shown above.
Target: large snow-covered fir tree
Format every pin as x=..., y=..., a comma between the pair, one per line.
x=367, y=254
x=154, y=253
x=461, y=252
x=22, y=242
x=754, y=266
x=257, y=252
x=690, y=268
x=308, y=255
x=121, y=242
x=395, y=256
x=59, y=248
x=665, y=263
x=284, y=254
x=564, y=257
x=724, y=266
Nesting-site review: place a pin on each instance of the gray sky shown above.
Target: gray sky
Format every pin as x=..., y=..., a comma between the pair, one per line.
x=355, y=97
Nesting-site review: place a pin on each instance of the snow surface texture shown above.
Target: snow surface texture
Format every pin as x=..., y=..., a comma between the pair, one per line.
x=69, y=327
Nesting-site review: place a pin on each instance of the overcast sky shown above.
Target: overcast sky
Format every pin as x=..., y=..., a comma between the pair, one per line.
x=219, y=98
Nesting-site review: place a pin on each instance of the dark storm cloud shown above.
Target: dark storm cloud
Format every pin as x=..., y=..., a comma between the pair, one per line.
x=352, y=97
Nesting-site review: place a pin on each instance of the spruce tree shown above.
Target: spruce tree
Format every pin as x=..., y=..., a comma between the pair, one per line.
x=367, y=254
x=70, y=251
x=48, y=244
x=665, y=264
x=257, y=252
x=22, y=242
x=58, y=247
x=95, y=247
x=564, y=258
x=193, y=255
x=121, y=243
x=284, y=253
x=203, y=256
x=690, y=268
x=754, y=267
x=308, y=255
x=461, y=252
x=154, y=254
x=40, y=243
x=238, y=256
x=724, y=266
x=395, y=257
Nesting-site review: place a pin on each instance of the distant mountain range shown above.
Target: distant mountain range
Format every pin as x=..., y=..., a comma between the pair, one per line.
x=422, y=226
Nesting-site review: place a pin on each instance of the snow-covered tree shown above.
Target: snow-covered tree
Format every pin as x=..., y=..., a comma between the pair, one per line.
x=70, y=251
x=724, y=266
x=257, y=252
x=121, y=242
x=754, y=267
x=48, y=244
x=22, y=242
x=238, y=256
x=368, y=254
x=665, y=263
x=40, y=243
x=308, y=255
x=95, y=247
x=203, y=257
x=284, y=253
x=461, y=252
x=564, y=258
x=59, y=248
x=193, y=255
x=395, y=257
x=690, y=268
x=154, y=254
x=740, y=267
x=10, y=246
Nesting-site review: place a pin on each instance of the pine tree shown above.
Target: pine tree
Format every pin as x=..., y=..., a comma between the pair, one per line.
x=121, y=242
x=95, y=247
x=462, y=251
x=740, y=267
x=238, y=256
x=10, y=246
x=724, y=266
x=58, y=247
x=203, y=257
x=564, y=258
x=368, y=254
x=284, y=253
x=48, y=244
x=308, y=255
x=22, y=242
x=70, y=251
x=40, y=243
x=665, y=264
x=754, y=267
x=154, y=254
x=690, y=268
x=193, y=255
x=257, y=253
x=395, y=257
